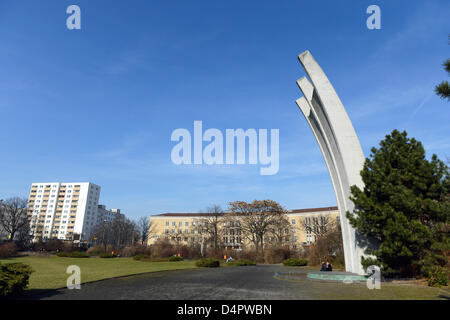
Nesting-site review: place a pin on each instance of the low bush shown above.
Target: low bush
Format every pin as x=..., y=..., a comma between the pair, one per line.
x=140, y=257
x=163, y=248
x=70, y=247
x=51, y=245
x=175, y=258
x=108, y=255
x=96, y=251
x=208, y=263
x=241, y=262
x=74, y=254
x=294, y=262
x=127, y=252
x=143, y=250
x=14, y=278
x=190, y=252
x=8, y=250
x=437, y=277
x=276, y=255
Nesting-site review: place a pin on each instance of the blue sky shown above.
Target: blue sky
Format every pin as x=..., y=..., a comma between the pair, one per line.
x=100, y=104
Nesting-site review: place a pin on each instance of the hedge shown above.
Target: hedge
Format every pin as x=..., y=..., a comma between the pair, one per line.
x=74, y=254
x=208, y=263
x=241, y=262
x=175, y=258
x=108, y=255
x=294, y=262
x=140, y=257
x=14, y=278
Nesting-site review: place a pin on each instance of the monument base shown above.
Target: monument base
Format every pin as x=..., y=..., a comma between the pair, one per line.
x=336, y=276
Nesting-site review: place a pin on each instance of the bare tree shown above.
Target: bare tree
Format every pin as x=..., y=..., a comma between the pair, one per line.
x=101, y=235
x=257, y=219
x=145, y=229
x=13, y=216
x=281, y=232
x=318, y=226
x=118, y=233
x=209, y=226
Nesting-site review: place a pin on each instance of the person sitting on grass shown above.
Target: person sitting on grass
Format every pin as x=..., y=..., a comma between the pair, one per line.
x=324, y=267
x=329, y=267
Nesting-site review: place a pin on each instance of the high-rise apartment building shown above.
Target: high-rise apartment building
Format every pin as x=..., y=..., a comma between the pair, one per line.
x=66, y=211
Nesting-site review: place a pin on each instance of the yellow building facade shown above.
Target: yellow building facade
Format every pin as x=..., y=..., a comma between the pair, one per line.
x=183, y=228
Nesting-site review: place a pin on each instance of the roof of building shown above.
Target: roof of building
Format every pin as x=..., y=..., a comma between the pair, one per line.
x=184, y=214
x=313, y=210
x=170, y=214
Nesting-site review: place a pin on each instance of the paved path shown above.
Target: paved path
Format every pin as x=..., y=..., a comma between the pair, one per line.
x=250, y=282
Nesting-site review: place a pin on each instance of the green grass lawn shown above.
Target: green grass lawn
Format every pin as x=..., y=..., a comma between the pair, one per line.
x=389, y=291
x=50, y=272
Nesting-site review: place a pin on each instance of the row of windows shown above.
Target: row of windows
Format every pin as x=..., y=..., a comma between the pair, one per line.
x=293, y=221
x=193, y=223
x=55, y=186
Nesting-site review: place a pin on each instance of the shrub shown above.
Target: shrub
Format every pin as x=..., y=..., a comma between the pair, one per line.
x=53, y=245
x=108, y=255
x=437, y=277
x=140, y=257
x=190, y=252
x=208, y=263
x=78, y=254
x=70, y=247
x=142, y=250
x=8, y=250
x=247, y=254
x=14, y=278
x=241, y=262
x=128, y=252
x=175, y=258
x=95, y=251
x=63, y=254
x=163, y=248
x=276, y=254
x=74, y=254
x=294, y=262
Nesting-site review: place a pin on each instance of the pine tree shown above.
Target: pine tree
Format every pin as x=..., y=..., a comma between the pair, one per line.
x=404, y=207
x=443, y=89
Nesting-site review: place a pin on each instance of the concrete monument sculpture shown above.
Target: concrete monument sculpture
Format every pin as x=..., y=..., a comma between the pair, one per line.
x=340, y=147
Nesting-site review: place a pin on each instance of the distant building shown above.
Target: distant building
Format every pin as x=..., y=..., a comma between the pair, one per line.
x=109, y=215
x=66, y=211
x=181, y=227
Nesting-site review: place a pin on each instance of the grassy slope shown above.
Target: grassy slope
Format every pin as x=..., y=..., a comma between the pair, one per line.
x=50, y=272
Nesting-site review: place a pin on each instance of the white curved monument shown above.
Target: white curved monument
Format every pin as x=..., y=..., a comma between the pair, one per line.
x=340, y=147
